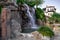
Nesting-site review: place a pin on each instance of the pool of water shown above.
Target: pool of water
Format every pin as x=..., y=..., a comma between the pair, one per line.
x=28, y=30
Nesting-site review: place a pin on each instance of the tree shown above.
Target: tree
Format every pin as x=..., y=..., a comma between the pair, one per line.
x=40, y=14
x=46, y=31
x=20, y=1
x=31, y=3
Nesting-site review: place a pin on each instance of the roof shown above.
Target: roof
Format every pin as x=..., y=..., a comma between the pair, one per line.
x=49, y=7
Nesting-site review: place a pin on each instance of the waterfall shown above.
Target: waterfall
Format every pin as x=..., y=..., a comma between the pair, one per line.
x=31, y=16
x=14, y=1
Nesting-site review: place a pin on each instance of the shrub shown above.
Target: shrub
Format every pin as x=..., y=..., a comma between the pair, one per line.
x=46, y=31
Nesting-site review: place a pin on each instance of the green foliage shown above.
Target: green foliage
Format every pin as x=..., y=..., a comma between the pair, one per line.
x=0, y=9
x=20, y=1
x=31, y=3
x=46, y=31
x=55, y=17
x=40, y=14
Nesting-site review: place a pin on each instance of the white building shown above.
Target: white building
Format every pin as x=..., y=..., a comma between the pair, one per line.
x=49, y=10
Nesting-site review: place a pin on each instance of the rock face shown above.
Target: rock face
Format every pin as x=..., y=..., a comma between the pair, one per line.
x=3, y=24
x=11, y=21
x=15, y=22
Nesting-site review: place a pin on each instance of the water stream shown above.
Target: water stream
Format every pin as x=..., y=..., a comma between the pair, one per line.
x=31, y=16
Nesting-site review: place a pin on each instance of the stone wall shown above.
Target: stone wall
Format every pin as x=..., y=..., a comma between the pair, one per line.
x=3, y=24
x=10, y=22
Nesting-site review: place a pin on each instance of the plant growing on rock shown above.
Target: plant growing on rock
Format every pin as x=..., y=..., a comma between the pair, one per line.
x=46, y=31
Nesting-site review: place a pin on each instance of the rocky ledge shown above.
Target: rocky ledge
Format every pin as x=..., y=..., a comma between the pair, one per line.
x=31, y=36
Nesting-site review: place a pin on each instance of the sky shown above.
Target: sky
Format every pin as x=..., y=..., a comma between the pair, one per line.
x=55, y=3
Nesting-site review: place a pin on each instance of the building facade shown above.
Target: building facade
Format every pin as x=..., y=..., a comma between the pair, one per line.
x=49, y=10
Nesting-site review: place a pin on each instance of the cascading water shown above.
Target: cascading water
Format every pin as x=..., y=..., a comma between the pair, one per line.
x=32, y=19
x=31, y=16
x=14, y=1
